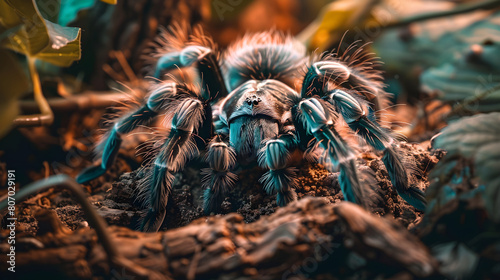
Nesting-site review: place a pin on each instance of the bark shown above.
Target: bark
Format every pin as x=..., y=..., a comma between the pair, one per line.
x=309, y=238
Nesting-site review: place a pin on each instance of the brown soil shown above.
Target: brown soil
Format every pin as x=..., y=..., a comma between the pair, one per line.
x=117, y=201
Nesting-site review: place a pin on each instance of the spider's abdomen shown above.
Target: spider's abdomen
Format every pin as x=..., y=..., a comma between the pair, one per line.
x=267, y=55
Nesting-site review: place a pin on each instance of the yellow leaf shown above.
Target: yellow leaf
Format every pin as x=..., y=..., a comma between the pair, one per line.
x=335, y=19
x=65, y=45
x=37, y=37
x=32, y=37
x=112, y=2
x=13, y=82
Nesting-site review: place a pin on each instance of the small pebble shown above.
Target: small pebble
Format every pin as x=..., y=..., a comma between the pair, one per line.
x=83, y=224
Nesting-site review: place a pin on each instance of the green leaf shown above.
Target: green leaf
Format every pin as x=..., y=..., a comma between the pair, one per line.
x=478, y=138
x=13, y=82
x=458, y=57
x=468, y=76
x=33, y=37
x=38, y=37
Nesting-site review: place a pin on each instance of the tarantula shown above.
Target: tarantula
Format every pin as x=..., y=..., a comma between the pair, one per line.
x=259, y=101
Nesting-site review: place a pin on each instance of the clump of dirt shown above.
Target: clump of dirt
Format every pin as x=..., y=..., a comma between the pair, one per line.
x=118, y=202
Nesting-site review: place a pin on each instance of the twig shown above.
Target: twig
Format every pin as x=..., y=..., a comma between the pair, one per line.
x=81, y=102
x=95, y=221
x=64, y=181
x=46, y=117
x=467, y=102
x=125, y=66
x=36, y=198
x=460, y=9
x=306, y=35
x=112, y=73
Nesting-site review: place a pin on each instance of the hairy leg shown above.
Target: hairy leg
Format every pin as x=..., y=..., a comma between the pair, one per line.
x=178, y=147
x=330, y=71
x=112, y=140
x=318, y=117
x=205, y=60
x=355, y=113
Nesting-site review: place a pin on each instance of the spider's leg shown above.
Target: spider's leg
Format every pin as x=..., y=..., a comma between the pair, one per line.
x=321, y=73
x=280, y=179
x=123, y=125
x=318, y=118
x=205, y=60
x=218, y=178
x=178, y=148
x=355, y=113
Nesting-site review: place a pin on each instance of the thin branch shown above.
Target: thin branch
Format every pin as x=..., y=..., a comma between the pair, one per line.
x=306, y=34
x=95, y=221
x=82, y=102
x=46, y=117
x=125, y=66
x=461, y=107
x=64, y=181
x=460, y=9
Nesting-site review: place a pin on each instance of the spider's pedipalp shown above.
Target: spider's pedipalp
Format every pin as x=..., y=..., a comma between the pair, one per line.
x=280, y=179
x=281, y=182
x=218, y=179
